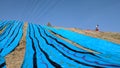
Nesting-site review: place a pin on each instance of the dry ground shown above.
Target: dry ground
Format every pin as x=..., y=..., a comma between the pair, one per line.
x=111, y=36
x=15, y=59
x=75, y=44
x=2, y=30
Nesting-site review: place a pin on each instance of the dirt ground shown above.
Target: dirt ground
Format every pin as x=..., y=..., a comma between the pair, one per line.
x=15, y=59
x=75, y=44
x=111, y=36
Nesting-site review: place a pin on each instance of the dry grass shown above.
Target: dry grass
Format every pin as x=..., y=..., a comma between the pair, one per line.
x=15, y=58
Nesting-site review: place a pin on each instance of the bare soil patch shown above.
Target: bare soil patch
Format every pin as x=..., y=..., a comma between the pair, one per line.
x=15, y=58
x=110, y=36
x=75, y=44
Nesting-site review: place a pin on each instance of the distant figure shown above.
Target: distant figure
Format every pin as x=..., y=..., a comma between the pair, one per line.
x=97, y=29
x=49, y=24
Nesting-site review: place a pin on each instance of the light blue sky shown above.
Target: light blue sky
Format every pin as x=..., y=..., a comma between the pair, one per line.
x=83, y=14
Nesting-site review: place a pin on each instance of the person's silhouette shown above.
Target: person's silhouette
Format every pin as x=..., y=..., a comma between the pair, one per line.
x=97, y=29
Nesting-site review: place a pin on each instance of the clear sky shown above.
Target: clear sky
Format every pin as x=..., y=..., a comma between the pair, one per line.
x=83, y=14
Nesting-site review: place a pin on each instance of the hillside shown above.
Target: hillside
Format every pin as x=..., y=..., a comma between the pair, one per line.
x=16, y=58
x=110, y=36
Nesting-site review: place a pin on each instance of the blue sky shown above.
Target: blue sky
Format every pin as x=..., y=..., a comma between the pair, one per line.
x=83, y=14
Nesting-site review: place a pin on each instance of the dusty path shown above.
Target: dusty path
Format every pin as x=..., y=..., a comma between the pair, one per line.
x=15, y=59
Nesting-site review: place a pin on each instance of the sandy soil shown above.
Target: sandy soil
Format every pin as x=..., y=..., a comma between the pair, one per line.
x=15, y=58
x=111, y=36
x=75, y=44
x=2, y=30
